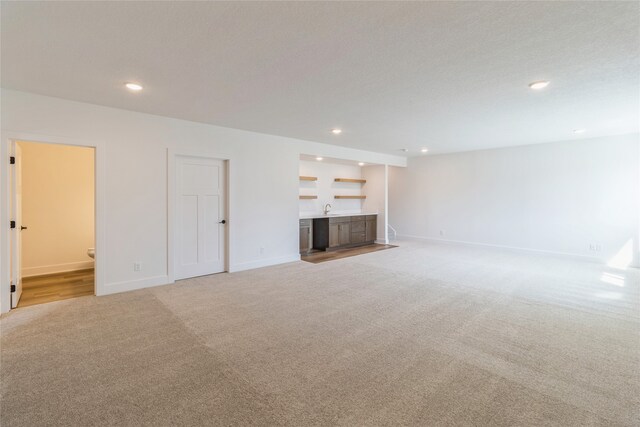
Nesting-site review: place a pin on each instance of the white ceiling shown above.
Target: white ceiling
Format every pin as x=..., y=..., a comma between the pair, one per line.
x=333, y=160
x=450, y=76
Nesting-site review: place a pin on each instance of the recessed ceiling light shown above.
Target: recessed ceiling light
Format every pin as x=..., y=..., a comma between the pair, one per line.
x=579, y=130
x=541, y=84
x=134, y=87
x=336, y=131
x=424, y=150
x=319, y=159
x=361, y=164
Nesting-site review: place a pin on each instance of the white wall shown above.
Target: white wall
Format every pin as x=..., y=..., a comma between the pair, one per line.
x=326, y=187
x=559, y=197
x=132, y=184
x=57, y=208
x=376, y=190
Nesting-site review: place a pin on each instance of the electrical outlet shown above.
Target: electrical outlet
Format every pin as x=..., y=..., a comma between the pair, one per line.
x=595, y=247
x=137, y=266
x=261, y=250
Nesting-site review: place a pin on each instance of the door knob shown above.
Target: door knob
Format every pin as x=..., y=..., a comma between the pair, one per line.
x=22, y=227
x=222, y=222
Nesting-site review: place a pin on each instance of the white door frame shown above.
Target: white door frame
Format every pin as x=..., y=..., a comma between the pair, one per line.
x=172, y=155
x=8, y=138
x=15, y=241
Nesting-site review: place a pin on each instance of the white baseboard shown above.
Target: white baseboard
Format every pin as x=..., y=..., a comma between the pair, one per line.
x=132, y=285
x=382, y=241
x=511, y=248
x=57, y=268
x=148, y=282
x=263, y=263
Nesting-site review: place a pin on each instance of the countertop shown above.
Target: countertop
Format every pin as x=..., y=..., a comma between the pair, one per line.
x=330, y=215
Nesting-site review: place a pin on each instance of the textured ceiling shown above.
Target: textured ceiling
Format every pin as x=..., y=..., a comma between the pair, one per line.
x=449, y=76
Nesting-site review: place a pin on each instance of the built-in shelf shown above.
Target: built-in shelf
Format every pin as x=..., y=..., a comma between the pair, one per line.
x=350, y=197
x=357, y=181
x=308, y=178
x=308, y=197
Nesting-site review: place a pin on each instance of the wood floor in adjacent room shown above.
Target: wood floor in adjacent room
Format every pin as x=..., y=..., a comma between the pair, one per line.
x=425, y=334
x=323, y=256
x=56, y=287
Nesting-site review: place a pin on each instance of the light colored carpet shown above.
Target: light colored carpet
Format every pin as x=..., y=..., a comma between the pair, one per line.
x=425, y=334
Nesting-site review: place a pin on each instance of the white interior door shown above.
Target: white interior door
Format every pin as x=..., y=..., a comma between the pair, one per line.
x=16, y=215
x=200, y=216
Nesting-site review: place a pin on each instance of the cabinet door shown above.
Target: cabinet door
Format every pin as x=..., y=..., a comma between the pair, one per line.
x=345, y=233
x=358, y=226
x=371, y=230
x=357, y=237
x=305, y=239
x=334, y=235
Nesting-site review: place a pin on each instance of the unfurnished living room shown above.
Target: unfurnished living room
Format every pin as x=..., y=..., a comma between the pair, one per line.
x=320, y=213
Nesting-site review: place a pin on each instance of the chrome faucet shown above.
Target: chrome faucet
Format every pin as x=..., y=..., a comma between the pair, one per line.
x=326, y=208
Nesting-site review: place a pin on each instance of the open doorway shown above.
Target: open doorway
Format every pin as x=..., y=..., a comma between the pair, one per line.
x=53, y=203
